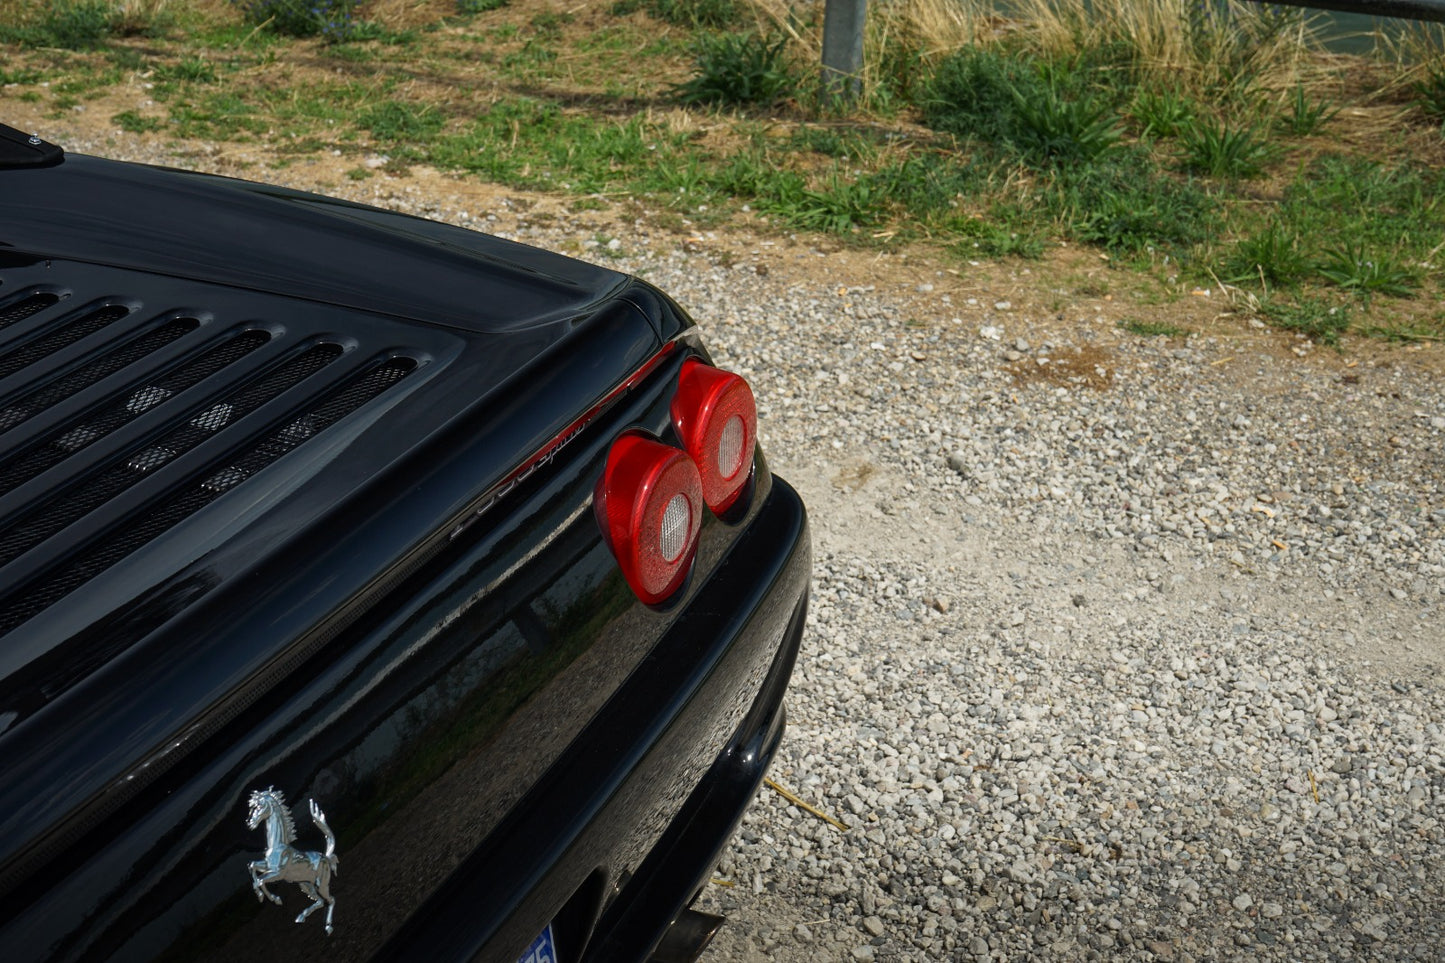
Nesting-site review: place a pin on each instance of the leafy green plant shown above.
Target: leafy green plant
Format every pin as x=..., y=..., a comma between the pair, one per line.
x=1269, y=256
x=1304, y=116
x=738, y=69
x=479, y=6
x=1054, y=127
x=1320, y=320
x=975, y=92
x=1352, y=267
x=1219, y=150
x=1161, y=113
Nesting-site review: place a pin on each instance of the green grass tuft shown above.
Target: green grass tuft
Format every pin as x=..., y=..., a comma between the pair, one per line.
x=398, y=122
x=1154, y=329
x=1219, y=150
x=1320, y=320
x=1353, y=267
x=1268, y=256
x=739, y=69
x=1305, y=117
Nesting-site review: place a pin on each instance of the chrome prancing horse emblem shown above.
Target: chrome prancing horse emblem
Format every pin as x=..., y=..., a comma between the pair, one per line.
x=284, y=862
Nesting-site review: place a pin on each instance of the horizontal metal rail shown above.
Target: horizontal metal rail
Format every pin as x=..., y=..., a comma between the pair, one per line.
x=1402, y=9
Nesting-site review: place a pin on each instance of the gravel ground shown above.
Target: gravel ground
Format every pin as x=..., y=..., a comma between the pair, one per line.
x=1119, y=648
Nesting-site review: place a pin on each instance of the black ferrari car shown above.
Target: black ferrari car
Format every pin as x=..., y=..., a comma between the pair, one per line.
x=369, y=588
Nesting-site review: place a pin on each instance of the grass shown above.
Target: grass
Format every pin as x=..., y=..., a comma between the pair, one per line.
x=1218, y=149
x=1271, y=256
x=1154, y=329
x=739, y=69
x=1182, y=145
x=1304, y=116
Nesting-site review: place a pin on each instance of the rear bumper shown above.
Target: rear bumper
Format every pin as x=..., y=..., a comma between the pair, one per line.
x=642, y=803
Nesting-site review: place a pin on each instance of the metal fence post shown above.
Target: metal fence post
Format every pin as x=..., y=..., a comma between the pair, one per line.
x=843, y=48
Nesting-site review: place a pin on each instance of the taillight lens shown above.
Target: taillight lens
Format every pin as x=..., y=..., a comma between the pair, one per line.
x=717, y=420
x=649, y=504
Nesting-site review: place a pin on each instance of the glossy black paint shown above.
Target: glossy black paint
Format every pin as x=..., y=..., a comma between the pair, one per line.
x=411, y=618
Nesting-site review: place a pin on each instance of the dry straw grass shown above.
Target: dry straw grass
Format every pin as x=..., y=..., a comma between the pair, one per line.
x=1169, y=42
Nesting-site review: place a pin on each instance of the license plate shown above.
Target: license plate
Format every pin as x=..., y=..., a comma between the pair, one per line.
x=542, y=950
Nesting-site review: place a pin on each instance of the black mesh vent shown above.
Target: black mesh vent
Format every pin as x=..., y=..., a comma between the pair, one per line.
x=28, y=405
x=25, y=307
x=160, y=516
x=64, y=336
x=69, y=438
x=50, y=516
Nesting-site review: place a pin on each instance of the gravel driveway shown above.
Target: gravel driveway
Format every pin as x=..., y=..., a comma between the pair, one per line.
x=1119, y=648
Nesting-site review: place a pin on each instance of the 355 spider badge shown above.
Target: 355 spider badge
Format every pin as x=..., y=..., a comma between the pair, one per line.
x=287, y=864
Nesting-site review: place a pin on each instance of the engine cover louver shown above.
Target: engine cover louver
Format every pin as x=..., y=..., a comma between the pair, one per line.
x=118, y=423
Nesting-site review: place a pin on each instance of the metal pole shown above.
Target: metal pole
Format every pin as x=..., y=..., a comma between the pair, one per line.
x=1403, y=9
x=843, y=47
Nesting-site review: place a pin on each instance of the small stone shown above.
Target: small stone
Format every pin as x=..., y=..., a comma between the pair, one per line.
x=1271, y=911
x=1243, y=902
x=864, y=952
x=873, y=925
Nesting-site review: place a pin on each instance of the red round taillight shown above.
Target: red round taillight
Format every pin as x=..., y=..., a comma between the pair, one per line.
x=649, y=504
x=717, y=420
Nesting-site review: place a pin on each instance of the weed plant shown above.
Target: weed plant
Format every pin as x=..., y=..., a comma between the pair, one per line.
x=975, y=94
x=1220, y=150
x=1129, y=206
x=1162, y=113
x=1271, y=256
x=738, y=70
x=1353, y=267
x=1304, y=116
x=1055, y=128
x=470, y=7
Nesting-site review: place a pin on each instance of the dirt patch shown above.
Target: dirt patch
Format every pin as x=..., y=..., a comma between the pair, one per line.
x=1086, y=367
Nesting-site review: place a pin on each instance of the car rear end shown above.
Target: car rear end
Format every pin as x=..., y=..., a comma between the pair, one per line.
x=370, y=556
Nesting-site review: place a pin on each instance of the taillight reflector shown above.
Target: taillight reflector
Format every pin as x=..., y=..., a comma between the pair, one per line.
x=716, y=418
x=649, y=505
